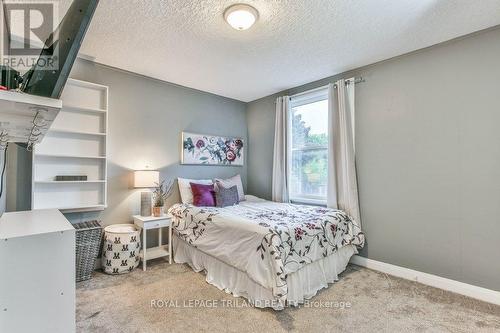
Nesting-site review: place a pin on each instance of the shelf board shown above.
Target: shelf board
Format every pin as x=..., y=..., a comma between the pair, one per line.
x=69, y=181
x=155, y=252
x=86, y=84
x=70, y=132
x=76, y=209
x=30, y=100
x=74, y=108
x=70, y=156
x=19, y=110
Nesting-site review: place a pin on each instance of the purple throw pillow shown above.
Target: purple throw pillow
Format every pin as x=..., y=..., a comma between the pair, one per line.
x=203, y=195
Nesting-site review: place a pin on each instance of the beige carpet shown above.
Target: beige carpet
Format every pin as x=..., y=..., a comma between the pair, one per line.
x=362, y=301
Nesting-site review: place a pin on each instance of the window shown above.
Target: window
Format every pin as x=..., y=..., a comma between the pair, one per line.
x=308, y=134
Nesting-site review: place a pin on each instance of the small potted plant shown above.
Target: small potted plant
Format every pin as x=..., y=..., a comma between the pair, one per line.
x=161, y=192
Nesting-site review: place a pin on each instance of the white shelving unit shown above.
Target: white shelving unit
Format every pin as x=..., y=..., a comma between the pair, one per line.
x=24, y=117
x=39, y=294
x=76, y=144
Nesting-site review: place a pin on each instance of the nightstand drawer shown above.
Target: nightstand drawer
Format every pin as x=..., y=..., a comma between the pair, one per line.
x=156, y=224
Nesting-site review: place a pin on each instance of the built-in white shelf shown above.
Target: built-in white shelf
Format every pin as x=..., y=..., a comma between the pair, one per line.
x=83, y=208
x=83, y=109
x=23, y=115
x=90, y=85
x=62, y=182
x=69, y=132
x=9, y=99
x=70, y=156
x=75, y=145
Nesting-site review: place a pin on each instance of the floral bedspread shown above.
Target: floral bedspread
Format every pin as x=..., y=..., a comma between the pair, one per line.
x=267, y=240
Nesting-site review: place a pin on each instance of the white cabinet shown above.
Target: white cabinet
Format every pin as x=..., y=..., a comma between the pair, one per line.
x=25, y=118
x=37, y=278
x=74, y=145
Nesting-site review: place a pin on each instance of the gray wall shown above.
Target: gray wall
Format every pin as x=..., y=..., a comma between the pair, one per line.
x=146, y=118
x=428, y=153
x=18, y=178
x=260, y=121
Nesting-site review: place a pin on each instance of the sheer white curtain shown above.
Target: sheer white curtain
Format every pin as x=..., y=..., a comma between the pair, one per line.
x=342, y=180
x=280, y=160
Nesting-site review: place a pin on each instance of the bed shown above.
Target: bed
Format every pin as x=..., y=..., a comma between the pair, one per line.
x=272, y=254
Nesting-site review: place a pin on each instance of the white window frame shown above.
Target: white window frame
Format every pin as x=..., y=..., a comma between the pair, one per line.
x=308, y=97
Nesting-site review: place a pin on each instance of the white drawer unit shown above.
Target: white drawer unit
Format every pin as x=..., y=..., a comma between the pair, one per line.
x=37, y=279
x=148, y=223
x=76, y=144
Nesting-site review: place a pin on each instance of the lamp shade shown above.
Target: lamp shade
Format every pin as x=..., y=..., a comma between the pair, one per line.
x=146, y=178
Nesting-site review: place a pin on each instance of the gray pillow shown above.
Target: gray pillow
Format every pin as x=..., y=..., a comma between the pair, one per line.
x=226, y=196
x=227, y=183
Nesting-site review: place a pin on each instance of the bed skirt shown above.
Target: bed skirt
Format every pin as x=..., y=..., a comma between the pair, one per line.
x=302, y=285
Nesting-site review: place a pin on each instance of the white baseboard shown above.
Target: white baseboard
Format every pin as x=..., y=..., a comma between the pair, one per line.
x=483, y=294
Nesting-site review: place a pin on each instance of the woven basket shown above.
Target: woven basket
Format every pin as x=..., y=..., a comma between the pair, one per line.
x=88, y=244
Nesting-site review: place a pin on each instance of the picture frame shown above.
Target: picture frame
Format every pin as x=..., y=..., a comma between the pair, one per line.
x=213, y=150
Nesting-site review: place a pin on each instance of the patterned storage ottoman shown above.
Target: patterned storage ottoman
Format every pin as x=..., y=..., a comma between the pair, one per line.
x=122, y=244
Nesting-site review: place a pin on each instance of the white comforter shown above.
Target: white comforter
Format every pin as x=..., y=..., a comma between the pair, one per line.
x=267, y=240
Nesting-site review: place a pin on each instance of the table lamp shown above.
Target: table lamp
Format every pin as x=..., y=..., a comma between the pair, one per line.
x=146, y=179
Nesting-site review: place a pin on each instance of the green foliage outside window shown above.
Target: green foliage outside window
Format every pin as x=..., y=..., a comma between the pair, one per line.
x=313, y=165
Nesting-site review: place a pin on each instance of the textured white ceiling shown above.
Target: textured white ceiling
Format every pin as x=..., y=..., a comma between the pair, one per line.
x=294, y=41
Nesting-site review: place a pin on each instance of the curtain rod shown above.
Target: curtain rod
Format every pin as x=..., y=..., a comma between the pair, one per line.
x=356, y=81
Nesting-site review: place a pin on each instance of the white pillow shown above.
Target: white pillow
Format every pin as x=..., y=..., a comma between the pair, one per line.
x=230, y=182
x=185, y=188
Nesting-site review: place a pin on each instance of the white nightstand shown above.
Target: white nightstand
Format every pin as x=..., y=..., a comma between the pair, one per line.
x=148, y=223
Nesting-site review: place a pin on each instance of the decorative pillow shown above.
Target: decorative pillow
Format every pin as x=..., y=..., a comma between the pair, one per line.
x=185, y=188
x=203, y=195
x=226, y=196
x=227, y=183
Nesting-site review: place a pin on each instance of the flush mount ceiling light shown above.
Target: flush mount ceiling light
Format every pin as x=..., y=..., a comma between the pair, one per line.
x=241, y=16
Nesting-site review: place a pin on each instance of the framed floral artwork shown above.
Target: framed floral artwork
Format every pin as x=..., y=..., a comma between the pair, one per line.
x=211, y=150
